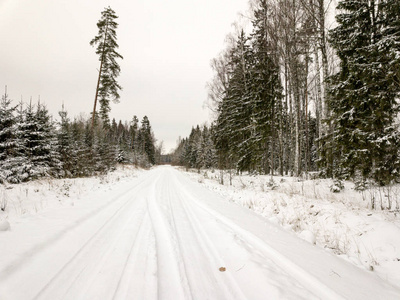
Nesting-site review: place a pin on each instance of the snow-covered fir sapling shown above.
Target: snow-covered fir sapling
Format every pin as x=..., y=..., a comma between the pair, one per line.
x=337, y=186
x=360, y=184
x=121, y=157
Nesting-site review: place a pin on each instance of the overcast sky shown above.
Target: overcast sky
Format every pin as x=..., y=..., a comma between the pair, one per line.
x=167, y=48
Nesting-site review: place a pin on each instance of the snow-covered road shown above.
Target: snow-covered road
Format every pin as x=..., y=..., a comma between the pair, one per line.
x=163, y=236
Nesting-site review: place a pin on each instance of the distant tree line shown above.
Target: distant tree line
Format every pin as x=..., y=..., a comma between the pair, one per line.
x=196, y=151
x=32, y=145
x=292, y=97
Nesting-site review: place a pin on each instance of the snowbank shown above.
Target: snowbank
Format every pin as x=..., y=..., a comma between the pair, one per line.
x=343, y=223
x=24, y=199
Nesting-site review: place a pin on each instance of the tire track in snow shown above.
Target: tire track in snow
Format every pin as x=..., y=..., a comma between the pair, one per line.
x=203, y=254
x=131, y=284
x=104, y=239
x=25, y=257
x=170, y=280
x=307, y=280
x=61, y=259
x=201, y=248
x=174, y=228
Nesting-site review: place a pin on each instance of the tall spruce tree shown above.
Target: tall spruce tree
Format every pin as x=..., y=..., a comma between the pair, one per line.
x=38, y=145
x=65, y=143
x=391, y=43
x=44, y=145
x=265, y=88
x=147, y=140
x=8, y=139
x=234, y=125
x=363, y=98
x=107, y=86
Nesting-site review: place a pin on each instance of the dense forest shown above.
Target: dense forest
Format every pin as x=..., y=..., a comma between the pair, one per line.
x=292, y=97
x=32, y=145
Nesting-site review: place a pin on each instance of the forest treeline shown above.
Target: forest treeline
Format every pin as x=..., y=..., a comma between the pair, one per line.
x=292, y=97
x=32, y=145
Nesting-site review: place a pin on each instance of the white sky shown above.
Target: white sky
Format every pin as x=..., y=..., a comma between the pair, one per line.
x=167, y=48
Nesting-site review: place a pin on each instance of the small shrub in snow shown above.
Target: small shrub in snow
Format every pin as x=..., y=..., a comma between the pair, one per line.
x=337, y=186
x=360, y=185
x=272, y=184
x=121, y=157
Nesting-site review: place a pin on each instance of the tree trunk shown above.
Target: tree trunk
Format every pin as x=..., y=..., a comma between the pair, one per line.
x=307, y=154
x=288, y=109
x=326, y=129
x=97, y=92
x=318, y=100
x=101, y=69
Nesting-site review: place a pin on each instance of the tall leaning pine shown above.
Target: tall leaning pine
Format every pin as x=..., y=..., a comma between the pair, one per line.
x=107, y=86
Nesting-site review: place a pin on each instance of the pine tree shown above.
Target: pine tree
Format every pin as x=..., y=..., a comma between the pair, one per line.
x=208, y=152
x=195, y=156
x=106, y=152
x=38, y=143
x=265, y=88
x=43, y=145
x=390, y=44
x=65, y=144
x=363, y=95
x=107, y=85
x=8, y=139
x=21, y=166
x=234, y=124
x=146, y=140
x=28, y=136
x=77, y=148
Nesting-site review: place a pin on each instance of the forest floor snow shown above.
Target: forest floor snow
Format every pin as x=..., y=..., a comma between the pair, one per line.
x=159, y=234
x=342, y=223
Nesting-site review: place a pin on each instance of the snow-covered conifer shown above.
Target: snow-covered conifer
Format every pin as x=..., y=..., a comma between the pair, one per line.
x=106, y=42
x=8, y=139
x=364, y=94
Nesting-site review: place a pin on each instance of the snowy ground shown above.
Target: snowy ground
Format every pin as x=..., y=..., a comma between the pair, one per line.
x=342, y=223
x=160, y=235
